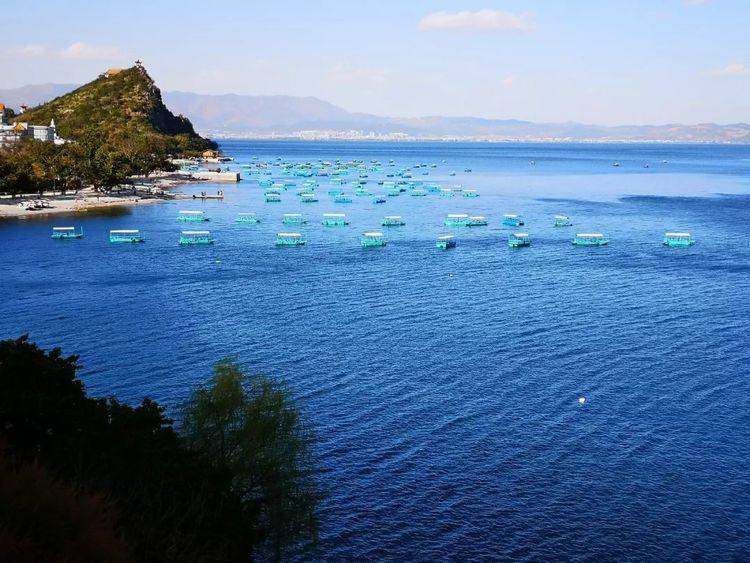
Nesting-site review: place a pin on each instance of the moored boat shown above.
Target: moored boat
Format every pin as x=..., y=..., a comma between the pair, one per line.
x=195, y=237
x=445, y=242
x=192, y=216
x=590, y=239
x=512, y=220
x=290, y=239
x=476, y=221
x=66, y=233
x=678, y=240
x=517, y=240
x=126, y=235
x=334, y=220
x=247, y=218
x=293, y=219
x=372, y=239
x=456, y=220
x=393, y=221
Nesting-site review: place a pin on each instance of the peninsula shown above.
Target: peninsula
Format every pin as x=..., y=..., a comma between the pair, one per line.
x=109, y=142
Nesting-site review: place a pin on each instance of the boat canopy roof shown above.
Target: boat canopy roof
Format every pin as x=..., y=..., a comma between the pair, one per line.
x=521, y=235
x=124, y=232
x=445, y=237
x=477, y=217
x=590, y=235
x=248, y=213
x=289, y=235
x=511, y=215
x=292, y=214
x=373, y=234
x=457, y=215
x=196, y=233
x=192, y=212
x=677, y=235
x=63, y=228
x=561, y=217
x=393, y=216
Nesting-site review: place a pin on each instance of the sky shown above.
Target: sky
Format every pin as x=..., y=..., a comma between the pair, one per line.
x=593, y=61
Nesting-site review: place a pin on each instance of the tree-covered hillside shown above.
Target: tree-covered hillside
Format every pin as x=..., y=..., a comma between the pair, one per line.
x=123, y=103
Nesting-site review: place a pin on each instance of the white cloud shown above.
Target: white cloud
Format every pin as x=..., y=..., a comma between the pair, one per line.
x=480, y=21
x=29, y=51
x=81, y=50
x=733, y=69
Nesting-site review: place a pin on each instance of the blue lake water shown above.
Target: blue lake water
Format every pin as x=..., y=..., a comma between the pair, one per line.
x=443, y=386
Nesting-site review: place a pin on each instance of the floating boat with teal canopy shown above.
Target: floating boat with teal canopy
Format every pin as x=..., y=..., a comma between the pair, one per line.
x=290, y=239
x=249, y=217
x=335, y=191
x=393, y=221
x=334, y=220
x=378, y=199
x=273, y=197
x=372, y=239
x=517, y=240
x=342, y=198
x=447, y=192
x=66, y=233
x=456, y=220
x=308, y=198
x=476, y=221
x=192, y=216
x=418, y=192
x=563, y=221
x=126, y=235
x=293, y=219
x=445, y=242
x=471, y=193
x=590, y=239
x=195, y=237
x=512, y=220
x=678, y=240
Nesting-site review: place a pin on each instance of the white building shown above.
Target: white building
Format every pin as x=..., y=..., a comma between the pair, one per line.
x=13, y=132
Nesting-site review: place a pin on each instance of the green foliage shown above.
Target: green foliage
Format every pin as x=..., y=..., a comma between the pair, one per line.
x=241, y=480
x=33, y=166
x=249, y=425
x=172, y=498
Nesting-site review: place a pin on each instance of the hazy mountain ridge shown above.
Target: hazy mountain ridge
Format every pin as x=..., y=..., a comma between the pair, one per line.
x=233, y=115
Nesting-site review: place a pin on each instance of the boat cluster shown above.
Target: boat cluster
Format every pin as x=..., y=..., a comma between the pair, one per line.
x=348, y=180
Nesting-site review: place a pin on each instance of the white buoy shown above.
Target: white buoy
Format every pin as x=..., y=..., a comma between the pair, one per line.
x=581, y=400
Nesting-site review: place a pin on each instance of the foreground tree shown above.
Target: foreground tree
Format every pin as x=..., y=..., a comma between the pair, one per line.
x=250, y=425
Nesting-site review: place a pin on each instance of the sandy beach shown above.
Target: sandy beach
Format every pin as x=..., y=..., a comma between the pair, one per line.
x=143, y=191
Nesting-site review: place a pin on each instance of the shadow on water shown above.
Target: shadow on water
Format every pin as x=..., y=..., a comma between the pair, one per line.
x=89, y=213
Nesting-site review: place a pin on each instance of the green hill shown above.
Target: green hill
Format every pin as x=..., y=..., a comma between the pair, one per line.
x=119, y=103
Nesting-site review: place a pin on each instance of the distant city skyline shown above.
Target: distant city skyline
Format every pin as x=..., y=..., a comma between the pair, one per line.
x=636, y=62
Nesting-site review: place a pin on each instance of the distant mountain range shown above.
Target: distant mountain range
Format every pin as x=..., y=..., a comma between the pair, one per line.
x=231, y=115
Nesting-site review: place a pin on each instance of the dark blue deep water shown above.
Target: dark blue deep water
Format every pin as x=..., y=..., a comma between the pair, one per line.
x=443, y=386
